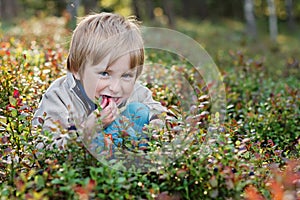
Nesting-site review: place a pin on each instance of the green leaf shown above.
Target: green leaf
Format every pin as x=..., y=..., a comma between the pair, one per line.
x=57, y=181
x=12, y=101
x=121, y=180
x=39, y=181
x=5, y=192
x=14, y=112
x=3, y=120
x=65, y=188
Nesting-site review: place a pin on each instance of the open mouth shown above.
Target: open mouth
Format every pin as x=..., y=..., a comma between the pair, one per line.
x=115, y=99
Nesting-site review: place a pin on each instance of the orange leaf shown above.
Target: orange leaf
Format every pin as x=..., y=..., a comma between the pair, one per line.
x=276, y=190
x=251, y=193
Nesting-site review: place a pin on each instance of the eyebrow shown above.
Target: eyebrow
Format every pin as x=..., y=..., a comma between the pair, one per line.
x=133, y=70
x=101, y=67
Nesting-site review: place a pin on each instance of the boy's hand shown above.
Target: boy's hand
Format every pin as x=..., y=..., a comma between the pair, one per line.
x=109, y=111
x=107, y=115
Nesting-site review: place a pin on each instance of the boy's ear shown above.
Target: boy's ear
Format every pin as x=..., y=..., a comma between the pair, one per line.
x=76, y=75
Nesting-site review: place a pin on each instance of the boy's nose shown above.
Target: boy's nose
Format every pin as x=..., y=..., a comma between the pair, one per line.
x=114, y=86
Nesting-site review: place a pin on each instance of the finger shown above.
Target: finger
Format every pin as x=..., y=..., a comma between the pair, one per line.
x=105, y=114
x=108, y=120
x=112, y=102
x=108, y=111
x=115, y=112
x=114, y=109
x=111, y=107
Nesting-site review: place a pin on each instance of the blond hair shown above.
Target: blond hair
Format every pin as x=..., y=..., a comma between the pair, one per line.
x=105, y=34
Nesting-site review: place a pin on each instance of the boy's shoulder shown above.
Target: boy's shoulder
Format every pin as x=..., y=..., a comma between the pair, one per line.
x=61, y=84
x=138, y=86
x=140, y=92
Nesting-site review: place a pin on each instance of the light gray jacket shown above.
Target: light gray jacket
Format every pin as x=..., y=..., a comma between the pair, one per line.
x=63, y=104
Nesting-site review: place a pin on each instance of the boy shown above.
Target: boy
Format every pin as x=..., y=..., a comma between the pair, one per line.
x=106, y=57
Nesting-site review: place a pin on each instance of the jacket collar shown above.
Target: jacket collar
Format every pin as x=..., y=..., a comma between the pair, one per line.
x=76, y=86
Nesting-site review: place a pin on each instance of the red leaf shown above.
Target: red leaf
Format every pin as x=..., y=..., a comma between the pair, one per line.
x=81, y=192
x=91, y=185
x=41, y=120
x=16, y=94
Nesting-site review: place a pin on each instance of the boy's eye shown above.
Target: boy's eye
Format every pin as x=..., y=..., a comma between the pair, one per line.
x=104, y=74
x=127, y=76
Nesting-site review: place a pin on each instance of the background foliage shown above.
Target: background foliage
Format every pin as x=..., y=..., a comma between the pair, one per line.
x=255, y=154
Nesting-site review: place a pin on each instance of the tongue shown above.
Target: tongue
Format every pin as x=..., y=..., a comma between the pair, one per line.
x=104, y=101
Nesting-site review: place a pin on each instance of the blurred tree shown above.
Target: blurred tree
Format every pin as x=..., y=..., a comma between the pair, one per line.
x=213, y=9
x=149, y=9
x=202, y=9
x=250, y=19
x=192, y=9
x=123, y=7
x=59, y=6
x=8, y=9
x=72, y=10
x=168, y=7
x=229, y=9
x=35, y=8
x=143, y=9
x=288, y=11
x=136, y=8
x=90, y=6
x=272, y=20
x=290, y=14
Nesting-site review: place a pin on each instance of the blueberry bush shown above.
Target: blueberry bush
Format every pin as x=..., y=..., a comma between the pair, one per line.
x=255, y=154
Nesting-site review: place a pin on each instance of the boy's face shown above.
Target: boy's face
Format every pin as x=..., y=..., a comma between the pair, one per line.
x=116, y=81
